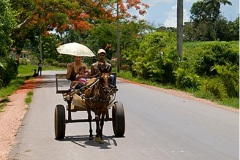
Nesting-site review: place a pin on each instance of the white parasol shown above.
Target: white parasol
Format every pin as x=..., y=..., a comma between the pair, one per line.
x=75, y=49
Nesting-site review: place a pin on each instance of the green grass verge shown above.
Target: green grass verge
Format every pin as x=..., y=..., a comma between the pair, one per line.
x=3, y=102
x=230, y=102
x=26, y=70
x=28, y=99
x=12, y=87
x=6, y=91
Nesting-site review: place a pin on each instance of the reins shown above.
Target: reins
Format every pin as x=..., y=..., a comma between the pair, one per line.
x=97, y=98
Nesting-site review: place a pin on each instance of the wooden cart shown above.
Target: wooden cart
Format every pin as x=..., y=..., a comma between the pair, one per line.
x=117, y=113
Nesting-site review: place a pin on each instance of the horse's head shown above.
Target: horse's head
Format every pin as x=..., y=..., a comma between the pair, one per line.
x=104, y=67
x=105, y=78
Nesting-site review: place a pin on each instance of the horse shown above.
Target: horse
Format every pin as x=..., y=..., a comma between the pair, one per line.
x=97, y=99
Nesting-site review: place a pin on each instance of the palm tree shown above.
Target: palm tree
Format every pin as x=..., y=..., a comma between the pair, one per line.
x=213, y=7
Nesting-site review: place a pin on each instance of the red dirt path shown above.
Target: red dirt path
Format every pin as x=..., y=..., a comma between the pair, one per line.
x=12, y=116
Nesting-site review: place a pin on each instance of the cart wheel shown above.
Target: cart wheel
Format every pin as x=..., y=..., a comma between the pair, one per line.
x=59, y=120
x=118, y=119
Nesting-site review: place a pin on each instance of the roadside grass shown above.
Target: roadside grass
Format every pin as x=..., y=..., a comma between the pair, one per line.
x=7, y=91
x=28, y=99
x=233, y=102
x=24, y=72
x=3, y=102
x=28, y=70
x=230, y=102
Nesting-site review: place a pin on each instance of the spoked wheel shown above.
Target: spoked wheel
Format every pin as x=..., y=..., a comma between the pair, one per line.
x=59, y=120
x=118, y=119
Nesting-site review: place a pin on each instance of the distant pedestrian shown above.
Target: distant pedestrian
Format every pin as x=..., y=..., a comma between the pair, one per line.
x=40, y=67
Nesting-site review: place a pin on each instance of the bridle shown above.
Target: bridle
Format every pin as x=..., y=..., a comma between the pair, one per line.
x=103, y=92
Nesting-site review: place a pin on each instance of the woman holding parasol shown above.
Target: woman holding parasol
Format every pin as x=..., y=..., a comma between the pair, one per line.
x=78, y=51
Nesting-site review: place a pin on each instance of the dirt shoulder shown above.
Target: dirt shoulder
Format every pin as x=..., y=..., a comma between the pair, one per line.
x=12, y=116
x=15, y=110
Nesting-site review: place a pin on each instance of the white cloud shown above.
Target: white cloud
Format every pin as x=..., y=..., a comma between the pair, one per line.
x=171, y=20
x=156, y=2
x=190, y=1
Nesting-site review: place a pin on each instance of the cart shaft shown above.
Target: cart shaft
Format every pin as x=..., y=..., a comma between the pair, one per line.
x=85, y=120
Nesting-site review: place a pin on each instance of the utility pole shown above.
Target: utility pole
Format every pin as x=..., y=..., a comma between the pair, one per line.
x=40, y=47
x=179, y=27
x=118, y=42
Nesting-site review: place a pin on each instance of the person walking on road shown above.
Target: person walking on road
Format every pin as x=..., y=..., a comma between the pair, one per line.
x=40, y=67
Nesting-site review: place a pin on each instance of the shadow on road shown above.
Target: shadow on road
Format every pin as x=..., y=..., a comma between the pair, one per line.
x=45, y=81
x=84, y=141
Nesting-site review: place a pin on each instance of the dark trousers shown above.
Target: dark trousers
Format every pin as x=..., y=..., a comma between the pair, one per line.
x=39, y=71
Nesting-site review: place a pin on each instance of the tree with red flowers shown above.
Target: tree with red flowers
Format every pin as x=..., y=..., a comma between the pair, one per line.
x=45, y=15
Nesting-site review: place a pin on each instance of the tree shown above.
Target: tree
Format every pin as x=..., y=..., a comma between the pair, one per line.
x=7, y=23
x=103, y=35
x=189, y=31
x=207, y=10
x=64, y=14
x=234, y=29
x=213, y=8
x=206, y=16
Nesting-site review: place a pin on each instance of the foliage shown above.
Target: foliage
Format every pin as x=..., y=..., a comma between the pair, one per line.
x=156, y=57
x=28, y=99
x=220, y=83
x=38, y=17
x=49, y=47
x=103, y=35
x=215, y=88
x=26, y=70
x=212, y=54
x=217, y=63
x=12, y=87
x=8, y=71
x=221, y=30
x=229, y=74
x=186, y=79
x=7, y=23
x=207, y=10
x=207, y=24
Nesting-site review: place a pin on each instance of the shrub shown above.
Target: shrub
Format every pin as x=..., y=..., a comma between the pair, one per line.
x=215, y=87
x=156, y=58
x=185, y=79
x=8, y=71
x=217, y=53
x=125, y=67
x=230, y=78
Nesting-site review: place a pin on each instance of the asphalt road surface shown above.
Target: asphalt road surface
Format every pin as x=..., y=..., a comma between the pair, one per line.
x=159, y=126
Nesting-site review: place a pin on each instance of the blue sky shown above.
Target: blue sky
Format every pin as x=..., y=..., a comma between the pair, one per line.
x=164, y=12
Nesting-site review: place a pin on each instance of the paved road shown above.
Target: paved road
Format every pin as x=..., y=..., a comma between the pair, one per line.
x=159, y=126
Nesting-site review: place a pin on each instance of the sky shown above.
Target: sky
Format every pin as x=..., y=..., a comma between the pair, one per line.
x=164, y=12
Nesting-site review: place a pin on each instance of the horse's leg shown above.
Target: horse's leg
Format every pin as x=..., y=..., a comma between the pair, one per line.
x=101, y=126
x=90, y=124
x=98, y=138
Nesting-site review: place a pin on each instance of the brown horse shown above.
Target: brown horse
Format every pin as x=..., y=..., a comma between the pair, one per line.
x=97, y=99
